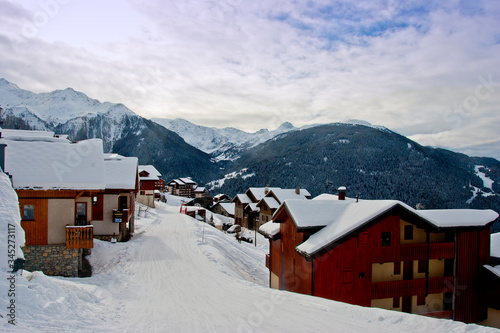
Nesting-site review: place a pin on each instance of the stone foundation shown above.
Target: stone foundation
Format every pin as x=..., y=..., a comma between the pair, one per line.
x=54, y=260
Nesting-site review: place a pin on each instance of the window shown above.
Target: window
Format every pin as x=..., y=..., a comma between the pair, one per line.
x=361, y=275
x=408, y=232
x=395, y=302
x=422, y=266
x=28, y=212
x=81, y=213
x=386, y=239
x=142, y=192
x=397, y=268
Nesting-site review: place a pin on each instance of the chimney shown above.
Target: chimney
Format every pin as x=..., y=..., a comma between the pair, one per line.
x=2, y=156
x=266, y=190
x=297, y=191
x=341, y=190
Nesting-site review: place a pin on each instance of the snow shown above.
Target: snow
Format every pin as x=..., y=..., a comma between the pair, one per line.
x=218, y=141
x=261, y=192
x=284, y=194
x=228, y=207
x=495, y=245
x=9, y=133
x=180, y=275
x=55, y=165
x=121, y=172
x=270, y=202
x=458, y=217
x=219, y=182
x=153, y=173
x=487, y=182
x=270, y=229
x=243, y=198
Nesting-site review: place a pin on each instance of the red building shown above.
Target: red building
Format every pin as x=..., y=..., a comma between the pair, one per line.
x=382, y=253
x=148, y=181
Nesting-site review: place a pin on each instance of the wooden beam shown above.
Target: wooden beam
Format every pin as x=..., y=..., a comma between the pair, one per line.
x=79, y=194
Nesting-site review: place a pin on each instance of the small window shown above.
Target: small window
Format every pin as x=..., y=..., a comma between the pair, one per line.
x=408, y=232
x=397, y=268
x=28, y=212
x=395, y=302
x=142, y=192
x=386, y=239
x=361, y=275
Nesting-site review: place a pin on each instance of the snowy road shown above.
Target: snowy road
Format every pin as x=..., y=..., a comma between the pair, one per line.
x=180, y=275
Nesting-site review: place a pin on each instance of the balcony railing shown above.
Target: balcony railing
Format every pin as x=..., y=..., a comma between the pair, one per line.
x=79, y=237
x=411, y=287
x=419, y=251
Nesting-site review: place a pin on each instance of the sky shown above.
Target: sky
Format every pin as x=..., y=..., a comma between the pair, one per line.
x=429, y=70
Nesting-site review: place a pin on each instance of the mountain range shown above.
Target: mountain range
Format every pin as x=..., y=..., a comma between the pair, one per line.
x=372, y=161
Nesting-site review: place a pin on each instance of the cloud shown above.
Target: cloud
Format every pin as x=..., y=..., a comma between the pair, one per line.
x=405, y=65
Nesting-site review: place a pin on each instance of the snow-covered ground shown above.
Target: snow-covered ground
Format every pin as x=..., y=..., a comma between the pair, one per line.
x=181, y=275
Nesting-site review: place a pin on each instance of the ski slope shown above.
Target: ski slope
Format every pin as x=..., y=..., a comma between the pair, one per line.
x=181, y=275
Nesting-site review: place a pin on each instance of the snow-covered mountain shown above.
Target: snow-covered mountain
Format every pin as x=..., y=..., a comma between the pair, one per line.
x=222, y=143
x=122, y=131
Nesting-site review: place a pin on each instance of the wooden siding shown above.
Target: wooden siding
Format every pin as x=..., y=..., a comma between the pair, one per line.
x=419, y=251
x=471, y=255
x=297, y=275
x=36, y=231
x=276, y=259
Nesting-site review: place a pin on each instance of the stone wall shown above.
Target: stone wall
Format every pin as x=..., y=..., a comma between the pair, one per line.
x=53, y=259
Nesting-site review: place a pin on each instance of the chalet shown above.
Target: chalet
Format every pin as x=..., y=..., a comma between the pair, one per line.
x=182, y=187
x=224, y=208
x=244, y=216
x=201, y=192
x=382, y=253
x=491, y=281
x=55, y=181
x=148, y=178
x=274, y=198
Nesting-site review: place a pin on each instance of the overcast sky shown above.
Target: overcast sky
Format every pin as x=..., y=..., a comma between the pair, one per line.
x=429, y=70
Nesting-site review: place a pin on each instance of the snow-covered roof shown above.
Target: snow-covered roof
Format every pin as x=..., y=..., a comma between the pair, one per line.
x=55, y=165
x=187, y=180
x=495, y=245
x=153, y=173
x=252, y=206
x=284, y=194
x=444, y=218
x=270, y=229
x=243, y=198
x=199, y=189
x=10, y=133
x=494, y=269
x=228, y=207
x=340, y=217
x=270, y=202
x=260, y=192
x=121, y=172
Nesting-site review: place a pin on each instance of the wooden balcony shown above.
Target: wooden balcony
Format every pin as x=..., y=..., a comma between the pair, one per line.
x=79, y=237
x=419, y=251
x=411, y=287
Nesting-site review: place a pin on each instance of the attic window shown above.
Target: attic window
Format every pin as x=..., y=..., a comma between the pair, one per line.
x=386, y=239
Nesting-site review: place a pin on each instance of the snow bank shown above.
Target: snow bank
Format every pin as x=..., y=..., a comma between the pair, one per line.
x=11, y=241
